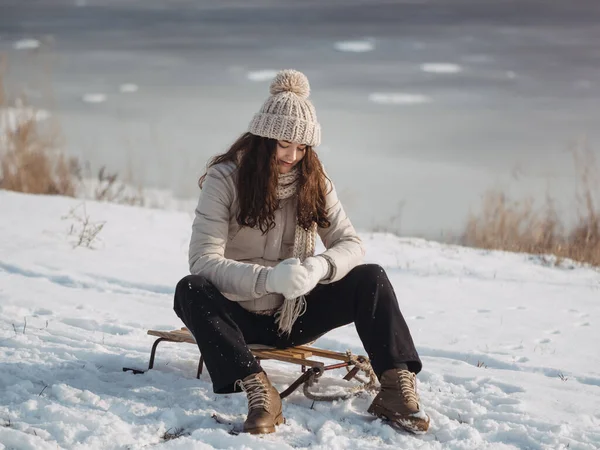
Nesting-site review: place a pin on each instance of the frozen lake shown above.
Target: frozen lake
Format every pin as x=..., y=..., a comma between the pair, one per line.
x=423, y=104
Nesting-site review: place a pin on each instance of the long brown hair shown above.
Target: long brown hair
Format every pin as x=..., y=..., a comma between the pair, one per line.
x=257, y=183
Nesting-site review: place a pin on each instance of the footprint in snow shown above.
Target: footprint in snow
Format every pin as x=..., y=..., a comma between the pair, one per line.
x=483, y=311
x=591, y=381
x=543, y=341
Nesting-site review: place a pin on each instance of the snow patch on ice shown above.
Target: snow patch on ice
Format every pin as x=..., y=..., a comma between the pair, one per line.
x=26, y=44
x=261, y=75
x=128, y=88
x=441, y=68
x=398, y=98
x=358, y=46
x=94, y=98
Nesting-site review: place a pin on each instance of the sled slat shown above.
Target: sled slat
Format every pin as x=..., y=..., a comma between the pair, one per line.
x=265, y=354
x=173, y=336
x=292, y=351
x=324, y=353
x=288, y=351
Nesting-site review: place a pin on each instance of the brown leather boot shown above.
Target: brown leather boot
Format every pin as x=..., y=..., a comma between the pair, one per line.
x=398, y=401
x=264, y=404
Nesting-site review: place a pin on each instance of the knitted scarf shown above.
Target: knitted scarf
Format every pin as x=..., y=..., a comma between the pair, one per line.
x=304, y=246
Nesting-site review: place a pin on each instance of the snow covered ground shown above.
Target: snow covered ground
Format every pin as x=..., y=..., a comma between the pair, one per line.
x=509, y=343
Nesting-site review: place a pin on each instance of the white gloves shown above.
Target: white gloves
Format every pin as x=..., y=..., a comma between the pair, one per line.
x=293, y=279
x=317, y=267
x=287, y=278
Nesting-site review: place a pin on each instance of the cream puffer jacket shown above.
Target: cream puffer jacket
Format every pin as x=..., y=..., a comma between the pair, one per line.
x=233, y=257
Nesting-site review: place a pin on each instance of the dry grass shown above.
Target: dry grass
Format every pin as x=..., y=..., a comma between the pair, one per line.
x=110, y=189
x=30, y=164
x=84, y=231
x=519, y=226
x=175, y=434
x=30, y=157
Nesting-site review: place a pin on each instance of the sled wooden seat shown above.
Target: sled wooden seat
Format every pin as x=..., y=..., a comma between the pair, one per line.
x=302, y=355
x=295, y=355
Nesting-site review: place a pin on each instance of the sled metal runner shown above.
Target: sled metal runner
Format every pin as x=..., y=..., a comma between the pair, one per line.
x=301, y=355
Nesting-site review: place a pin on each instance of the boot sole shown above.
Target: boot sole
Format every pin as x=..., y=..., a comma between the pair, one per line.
x=266, y=430
x=415, y=425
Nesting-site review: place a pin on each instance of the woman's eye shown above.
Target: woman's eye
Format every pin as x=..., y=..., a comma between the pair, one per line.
x=288, y=146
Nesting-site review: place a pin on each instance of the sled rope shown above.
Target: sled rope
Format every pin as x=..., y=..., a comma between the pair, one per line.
x=359, y=362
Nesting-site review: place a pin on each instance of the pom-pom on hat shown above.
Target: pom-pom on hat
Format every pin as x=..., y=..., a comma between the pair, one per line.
x=288, y=114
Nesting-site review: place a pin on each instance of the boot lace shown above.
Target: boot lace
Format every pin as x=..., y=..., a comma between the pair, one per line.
x=408, y=381
x=257, y=392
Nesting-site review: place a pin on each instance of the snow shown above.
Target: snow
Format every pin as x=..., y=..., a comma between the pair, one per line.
x=508, y=342
x=261, y=75
x=398, y=98
x=441, y=68
x=128, y=88
x=359, y=46
x=94, y=98
x=26, y=44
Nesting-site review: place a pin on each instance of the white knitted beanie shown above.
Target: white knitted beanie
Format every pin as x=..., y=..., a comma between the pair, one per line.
x=287, y=114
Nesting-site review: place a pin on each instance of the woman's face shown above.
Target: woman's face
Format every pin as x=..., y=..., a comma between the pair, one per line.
x=289, y=154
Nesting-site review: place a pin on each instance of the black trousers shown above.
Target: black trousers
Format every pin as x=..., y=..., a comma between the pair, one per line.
x=222, y=328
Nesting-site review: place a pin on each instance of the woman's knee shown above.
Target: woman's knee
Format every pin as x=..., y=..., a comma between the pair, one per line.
x=373, y=284
x=371, y=272
x=189, y=285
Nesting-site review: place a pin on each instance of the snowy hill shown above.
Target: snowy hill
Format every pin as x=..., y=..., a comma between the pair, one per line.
x=509, y=343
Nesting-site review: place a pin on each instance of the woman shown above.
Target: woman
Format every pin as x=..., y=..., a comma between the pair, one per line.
x=255, y=278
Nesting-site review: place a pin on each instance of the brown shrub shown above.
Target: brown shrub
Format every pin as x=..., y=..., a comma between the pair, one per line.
x=518, y=226
x=30, y=157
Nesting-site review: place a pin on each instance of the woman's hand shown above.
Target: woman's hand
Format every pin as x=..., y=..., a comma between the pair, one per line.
x=293, y=279
x=317, y=268
x=287, y=278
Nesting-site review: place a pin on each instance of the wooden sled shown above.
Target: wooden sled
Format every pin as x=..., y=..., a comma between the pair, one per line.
x=301, y=355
